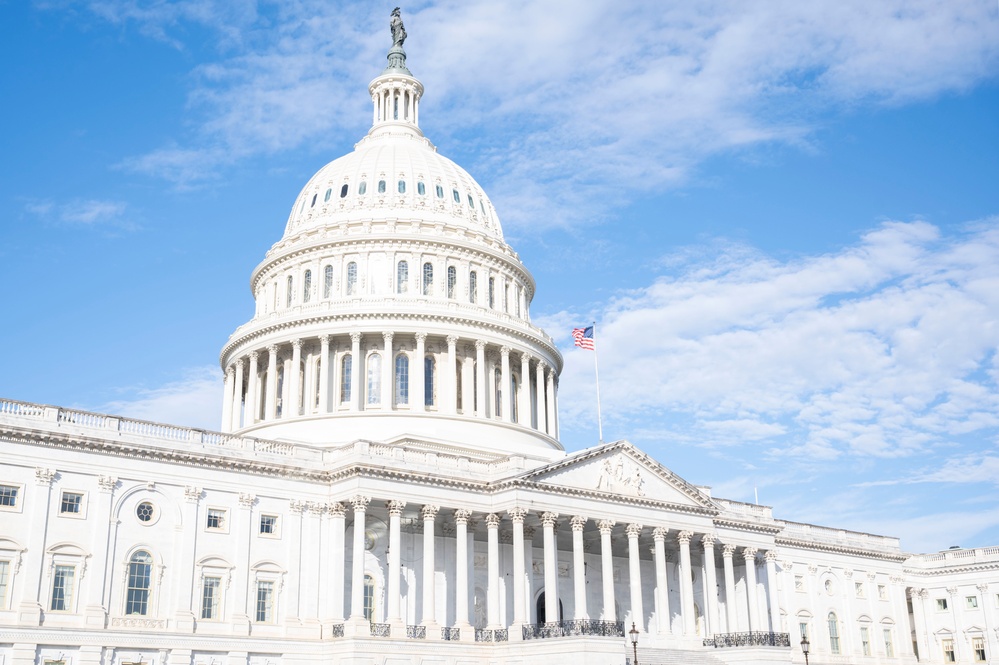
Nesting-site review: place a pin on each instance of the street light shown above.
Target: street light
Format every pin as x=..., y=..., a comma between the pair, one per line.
x=634, y=640
x=804, y=648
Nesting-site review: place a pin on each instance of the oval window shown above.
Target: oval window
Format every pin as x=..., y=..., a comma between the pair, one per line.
x=381, y=186
x=457, y=196
x=363, y=187
x=471, y=204
x=420, y=189
x=314, y=197
x=343, y=191
x=327, y=197
x=402, y=186
x=440, y=192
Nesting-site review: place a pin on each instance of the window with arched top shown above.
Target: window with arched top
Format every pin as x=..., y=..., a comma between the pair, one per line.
x=374, y=379
x=833, y=632
x=326, y=197
x=362, y=189
x=381, y=186
x=314, y=197
x=473, y=287
x=421, y=189
x=429, y=367
x=457, y=196
x=307, y=286
x=492, y=293
x=498, y=385
x=289, y=291
x=345, y=370
x=452, y=281
x=327, y=282
x=343, y=190
x=351, y=278
x=402, y=277
x=440, y=192
x=402, y=186
x=140, y=568
x=369, y=598
x=428, y=279
x=513, y=398
x=402, y=379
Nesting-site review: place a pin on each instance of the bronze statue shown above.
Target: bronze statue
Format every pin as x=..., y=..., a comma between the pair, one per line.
x=397, y=28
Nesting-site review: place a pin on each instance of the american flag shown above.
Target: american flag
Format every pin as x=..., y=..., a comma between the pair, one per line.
x=584, y=338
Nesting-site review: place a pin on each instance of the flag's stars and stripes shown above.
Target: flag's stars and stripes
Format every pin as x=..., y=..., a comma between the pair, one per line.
x=584, y=338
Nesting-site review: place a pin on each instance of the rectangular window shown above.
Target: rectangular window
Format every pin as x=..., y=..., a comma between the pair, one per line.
x=799, y=583
x=865, y=640
x=8, y=496
x=941, y=604
x=978, y=646
x=4, y=583
x=211, y=589
x=71, y=504
x=858, y=588
x=62, y=589
x=889, y=644
x=803, y=629
x=265, y=602
x=882, y=592
x=216, y=519
x=268, y=525
x=971, y=602
x=948, y=651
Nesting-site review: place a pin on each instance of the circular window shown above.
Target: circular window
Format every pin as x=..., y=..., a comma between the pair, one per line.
x=146, y=512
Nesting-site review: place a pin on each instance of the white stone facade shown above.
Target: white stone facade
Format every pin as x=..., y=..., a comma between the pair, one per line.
x=388, y=484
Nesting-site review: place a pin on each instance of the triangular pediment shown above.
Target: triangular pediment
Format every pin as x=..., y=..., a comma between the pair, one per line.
x=620, y=469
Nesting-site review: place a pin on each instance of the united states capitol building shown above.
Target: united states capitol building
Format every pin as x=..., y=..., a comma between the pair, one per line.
x=388, y=486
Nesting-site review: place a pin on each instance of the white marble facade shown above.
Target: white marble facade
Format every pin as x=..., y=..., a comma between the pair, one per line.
x=388, y=485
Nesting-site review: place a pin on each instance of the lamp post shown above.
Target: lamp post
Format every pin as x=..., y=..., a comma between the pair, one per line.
x=634, y=640
x=804, y=648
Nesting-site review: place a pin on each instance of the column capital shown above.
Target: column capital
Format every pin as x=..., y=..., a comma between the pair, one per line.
x=771, y=556
x=983, y=587
x=493, y=521
x=296, y=344
x=192, y=494
x=633, y=530
x=452, y=340
x=606, y=526
x=396, y=507
x=238, y=364
x=749, y=553
x=429, y=512
x=517, y=514
x=542, y=366
x=684, y=537
x=387, y=336
x=336, y=509
x=297, y=506
x=480, y=344
x=254, y=355
x=324, y=340
x=107, y=483
x=355, y=337
x=230, y=372
x=44, y=476
x=272, y=349
x=578, y=522
x=462, y=515
x=526, y=357
x=359, y=502
x=421, y=337
x=659, y=533
x=728, y=551
x=529, y=532
x=708, y=541
x=549, y=519
x=505, y=351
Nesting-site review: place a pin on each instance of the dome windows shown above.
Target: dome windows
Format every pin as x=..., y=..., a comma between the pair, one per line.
x=492, y=293
x=327, y=281
x=345, y=380
x=290, y=292
x=471, y=204
x=314, y=197
x=452, y=280
x=428, y=380
x=421, y=189
x=362, y=189
x=329, y=192
x=351, y=278
x=381, y=186
x=402, y=277
x=343, y=190
x=457, y=196
x=473, y=287
x=428, y=279
x=402, y=379
x=374, y=379
x=440, y=192
x=402, y=186
x=307, y=286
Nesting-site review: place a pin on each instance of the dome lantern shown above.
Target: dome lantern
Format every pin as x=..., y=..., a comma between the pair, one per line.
x=396, y=93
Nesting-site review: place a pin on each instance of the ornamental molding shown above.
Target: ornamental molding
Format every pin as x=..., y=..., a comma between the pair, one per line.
x=895, y=557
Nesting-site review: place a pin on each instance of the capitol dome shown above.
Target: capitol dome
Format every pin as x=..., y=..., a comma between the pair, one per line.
x=392, y=309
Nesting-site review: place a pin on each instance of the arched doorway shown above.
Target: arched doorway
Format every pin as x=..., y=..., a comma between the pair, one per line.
x=540, y=608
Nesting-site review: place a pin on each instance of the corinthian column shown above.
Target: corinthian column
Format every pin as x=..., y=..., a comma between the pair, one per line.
x=662, y=589
x=686, y=590
x=481, y=394
x=417, y=389
x=388, y=372
x=540, y=383
x=771, y=558
x=429, y=596
x=228, y=399
x=324, y=373
x=337, y=513
x=356, y=370
x=271, y=405
x=461, y=517
x=548, y=521
x=524, y=396
x=578, y=567
x=730, y=609
x=710, y=585
x=395, y=509
x=635, y=576
x=449, y=378
x=505, y=383
x=237, y=398
x=749, y=554
x=552, y=427
x=292, y=409
x=251, y=408
x=492, y=567
x=517, y=516
x=607, y=569
x=360, y=504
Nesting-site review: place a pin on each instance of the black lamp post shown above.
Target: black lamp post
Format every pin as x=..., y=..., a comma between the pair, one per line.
x=634, y=640
x=804, y=648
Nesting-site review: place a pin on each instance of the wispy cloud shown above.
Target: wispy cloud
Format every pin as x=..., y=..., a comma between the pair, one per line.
x=92, y=213
x=586, y=104
x=194, y=400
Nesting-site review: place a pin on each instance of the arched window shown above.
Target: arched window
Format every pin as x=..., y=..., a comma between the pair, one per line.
x=374, y=379
x=473, y=287
x=471, y=204
x=492, y=293
x=362, y=189
x=452, y=280
x=440, y=192
x=307, y=286
x=402, y=186
x=833, y=633
x=290, y=291
x=140, y=568
x=428, y=279
x=326, y=198
x=369, y=598
x=402, y=277
x=457, y=196
x=327, y=281
x=506, y=298
x=343, y=190
x=314, y=197
x=345, y=380
x=381, y=186
x=498, y=385
x=402, y=379
x=428, y=380
x=351, y=278
x=519, y=294
x=513, y=398
x=421, y=189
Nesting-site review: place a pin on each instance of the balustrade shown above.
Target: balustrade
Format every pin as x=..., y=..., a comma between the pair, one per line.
x=546, y=630
x=749, y=639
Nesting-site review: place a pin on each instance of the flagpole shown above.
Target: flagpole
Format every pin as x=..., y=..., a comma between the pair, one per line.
x=596, y=372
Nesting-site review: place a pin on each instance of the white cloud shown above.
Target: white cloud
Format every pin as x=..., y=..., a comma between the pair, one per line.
x=585, y=104
x=84, y=213
x=195, y=400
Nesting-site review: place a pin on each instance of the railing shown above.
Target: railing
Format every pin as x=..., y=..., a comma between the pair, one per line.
x=336, y=630
x=499, y=635
x=540, y=631
x=381, y=630
x=416, y=632
x=21, y=408
x=753, y=639
x=449, y=634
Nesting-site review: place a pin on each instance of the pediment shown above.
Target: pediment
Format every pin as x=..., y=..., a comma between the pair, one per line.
x=623, y=470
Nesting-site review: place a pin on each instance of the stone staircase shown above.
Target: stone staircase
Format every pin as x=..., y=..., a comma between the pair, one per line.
x=653, y=656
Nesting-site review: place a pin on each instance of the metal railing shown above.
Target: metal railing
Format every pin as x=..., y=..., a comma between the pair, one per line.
x=381, y=630
x=336, y=630
x=540, y=631
x=449, y=634
x=752, y=639
x=499, y=635
x=416, y=632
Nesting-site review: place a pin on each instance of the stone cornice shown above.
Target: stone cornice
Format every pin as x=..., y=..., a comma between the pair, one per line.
x=604, y=496
x=770, y=528
x=955, y=570
x=895, y=557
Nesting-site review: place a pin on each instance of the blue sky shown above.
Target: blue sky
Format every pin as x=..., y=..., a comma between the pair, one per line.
x=783, y=217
